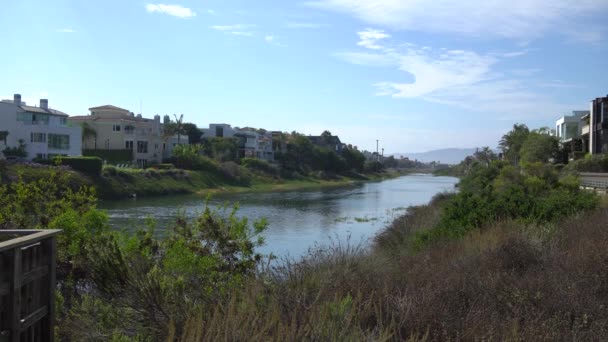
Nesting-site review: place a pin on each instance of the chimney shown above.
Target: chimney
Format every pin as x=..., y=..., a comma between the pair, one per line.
x=17, y=99
x=44, y=103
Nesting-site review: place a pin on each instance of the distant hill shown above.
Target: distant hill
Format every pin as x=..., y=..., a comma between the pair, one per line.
x=445, y=156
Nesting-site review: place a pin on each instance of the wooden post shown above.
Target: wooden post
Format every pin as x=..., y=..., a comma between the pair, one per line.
x=15, y=296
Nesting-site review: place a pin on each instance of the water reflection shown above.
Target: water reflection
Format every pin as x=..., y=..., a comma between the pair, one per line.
x=299, y=219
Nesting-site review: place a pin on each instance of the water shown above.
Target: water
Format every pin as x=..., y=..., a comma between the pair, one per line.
x=299, y=219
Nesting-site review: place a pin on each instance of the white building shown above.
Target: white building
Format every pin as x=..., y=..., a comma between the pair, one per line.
x=569, y=127
x=573, y=130
x=119, y=129
x=44, y=131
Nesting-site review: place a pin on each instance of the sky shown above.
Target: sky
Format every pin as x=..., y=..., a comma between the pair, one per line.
x=416, y=75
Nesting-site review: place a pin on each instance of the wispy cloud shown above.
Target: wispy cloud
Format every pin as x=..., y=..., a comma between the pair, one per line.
x=235, y=30
x=236, y=27
x=370, y=37
x=270, y=39
x=461, y=78
x=173, y=10
x=211, y=12
x=519, y=19
x=66, y=30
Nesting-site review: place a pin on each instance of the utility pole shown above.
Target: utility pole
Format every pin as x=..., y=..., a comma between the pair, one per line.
x=377, y=155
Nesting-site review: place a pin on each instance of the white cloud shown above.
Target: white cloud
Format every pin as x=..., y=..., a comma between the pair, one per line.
x=66, y=30
x=370, y=37
x=235, y=30
x=270, y=39
x=174, y=10
x=211, y=12
x=454, y=77
x=520, y=19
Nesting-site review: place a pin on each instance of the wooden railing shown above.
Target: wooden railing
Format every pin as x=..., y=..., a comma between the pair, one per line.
x=27, y=285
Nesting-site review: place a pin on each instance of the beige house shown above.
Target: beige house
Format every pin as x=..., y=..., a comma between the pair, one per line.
x=119, y=129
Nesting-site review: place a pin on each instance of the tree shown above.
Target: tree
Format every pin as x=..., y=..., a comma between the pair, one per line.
x=511, y=143
x=88, y=132
x=485, y=155
x=539, y=148
x=179, y=126
x=193, y=132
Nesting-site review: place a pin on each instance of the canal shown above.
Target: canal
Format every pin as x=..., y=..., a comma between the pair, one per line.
x=298, y=220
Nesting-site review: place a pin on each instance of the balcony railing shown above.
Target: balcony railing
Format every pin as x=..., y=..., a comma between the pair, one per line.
x=27, y=285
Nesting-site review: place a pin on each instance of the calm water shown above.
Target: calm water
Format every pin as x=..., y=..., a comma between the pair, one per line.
x=300, y=219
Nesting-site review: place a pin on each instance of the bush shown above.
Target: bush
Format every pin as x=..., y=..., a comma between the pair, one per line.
x=165, y=166
x=88, y=165
x=533, y=194
x=111, y=156
x=591, y=163
x=260, y=165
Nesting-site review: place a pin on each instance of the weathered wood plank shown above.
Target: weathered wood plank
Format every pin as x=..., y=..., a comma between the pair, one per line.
x=33, y=318
x=26, y=240
x=15, y=301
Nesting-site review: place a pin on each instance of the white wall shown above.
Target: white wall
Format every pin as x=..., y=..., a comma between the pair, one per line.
x=21, y=131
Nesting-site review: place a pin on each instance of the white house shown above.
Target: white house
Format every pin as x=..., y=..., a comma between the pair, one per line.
x=572, y=128
x=44, y=131
x=252, y=143
x=119, y=129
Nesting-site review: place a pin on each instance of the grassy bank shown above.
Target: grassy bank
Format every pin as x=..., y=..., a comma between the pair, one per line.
x=116, y=183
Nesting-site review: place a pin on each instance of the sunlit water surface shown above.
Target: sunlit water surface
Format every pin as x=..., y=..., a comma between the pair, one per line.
x=298, y=220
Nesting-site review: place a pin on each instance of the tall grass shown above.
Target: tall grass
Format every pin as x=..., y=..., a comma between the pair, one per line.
x=503, y=282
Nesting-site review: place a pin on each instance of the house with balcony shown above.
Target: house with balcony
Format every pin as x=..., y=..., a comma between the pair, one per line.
x=117, y=129
x=251, y=142
x=569, y=129
x=598, y=126
x=43, y=131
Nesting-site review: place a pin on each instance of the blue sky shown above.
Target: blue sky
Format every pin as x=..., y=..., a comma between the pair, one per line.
x=415, y=74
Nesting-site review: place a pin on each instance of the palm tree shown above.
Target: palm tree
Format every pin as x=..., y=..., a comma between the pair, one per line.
x=179, y=126
x=511, y=143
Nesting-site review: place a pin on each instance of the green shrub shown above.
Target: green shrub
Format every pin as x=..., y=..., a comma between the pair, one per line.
x=111, y=156
x=591, y=163
x=166, y=166
x=88, y=165
x=260, y=165
x=532, y=194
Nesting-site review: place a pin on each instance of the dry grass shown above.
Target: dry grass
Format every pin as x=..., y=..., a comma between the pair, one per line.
x=504, y=282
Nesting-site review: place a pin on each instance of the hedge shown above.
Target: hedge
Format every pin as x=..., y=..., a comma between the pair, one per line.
x=111, y=156
x=88, y=165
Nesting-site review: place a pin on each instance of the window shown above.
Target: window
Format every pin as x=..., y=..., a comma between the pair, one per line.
x=219, y=132
x=63, y=121
x=37, y=137
x=116, y=128
x=142, y=147
x=40, y=156
x=59, y=141
x=156, y=147
x=129, y=144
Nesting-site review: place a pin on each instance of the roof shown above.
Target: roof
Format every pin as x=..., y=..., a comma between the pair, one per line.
x=98, y=119
x=43, y=111
x=109, y=107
